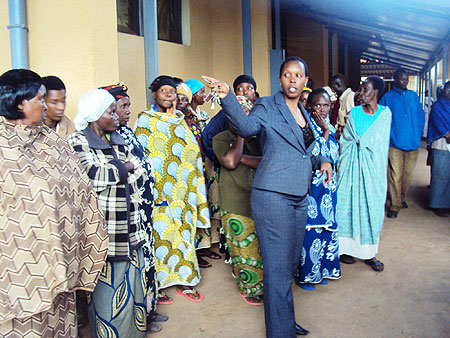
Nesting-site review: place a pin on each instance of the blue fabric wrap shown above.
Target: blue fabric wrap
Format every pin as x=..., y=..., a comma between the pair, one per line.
x=322, y=200
x=362, y=181
x=439, y=120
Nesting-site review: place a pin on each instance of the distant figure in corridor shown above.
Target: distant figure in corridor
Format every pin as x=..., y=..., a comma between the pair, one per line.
x=408, y=121
x=438, y=138
x=362, y=183
x=345, y=101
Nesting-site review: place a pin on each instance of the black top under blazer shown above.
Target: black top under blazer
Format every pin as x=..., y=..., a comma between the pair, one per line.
x=286, y=166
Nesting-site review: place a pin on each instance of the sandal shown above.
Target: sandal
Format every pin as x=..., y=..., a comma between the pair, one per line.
x=164, y=299
x=157, y=317
x=203, y=263
x=307, y=287
x=255, y=301
x=346, y=259
x=208, y=253
x=153, y=327
x=189, y=293
x=375, y=264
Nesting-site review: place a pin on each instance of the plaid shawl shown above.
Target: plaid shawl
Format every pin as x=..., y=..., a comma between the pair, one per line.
x=118, y=191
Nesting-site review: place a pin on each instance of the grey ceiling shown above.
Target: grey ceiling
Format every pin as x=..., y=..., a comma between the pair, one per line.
x=406, y=33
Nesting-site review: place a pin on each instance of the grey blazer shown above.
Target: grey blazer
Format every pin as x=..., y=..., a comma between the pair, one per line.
x=286, y=165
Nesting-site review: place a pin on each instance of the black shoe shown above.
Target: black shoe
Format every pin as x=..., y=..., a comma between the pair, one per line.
x=299, y=331
x=441, y=212
x=392, y=214
x=404, y=205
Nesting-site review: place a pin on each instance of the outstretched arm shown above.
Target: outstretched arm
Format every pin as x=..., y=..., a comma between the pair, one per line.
x=245, y=125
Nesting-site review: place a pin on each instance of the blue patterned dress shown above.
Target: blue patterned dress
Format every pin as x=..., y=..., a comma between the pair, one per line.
x=320, y=254
x=146, y=210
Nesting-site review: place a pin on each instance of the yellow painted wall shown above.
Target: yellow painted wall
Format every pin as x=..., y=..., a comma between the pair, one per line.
x=261, y=44
x=215, y=49
x=74, y=40
x=5, y=52
x=132, y=70
x=78, y=42
x=309, y=40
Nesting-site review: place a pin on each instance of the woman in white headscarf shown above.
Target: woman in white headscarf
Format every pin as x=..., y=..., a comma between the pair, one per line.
x=117, y=307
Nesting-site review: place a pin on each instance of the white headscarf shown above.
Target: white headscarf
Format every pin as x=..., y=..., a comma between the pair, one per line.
x=91, y=107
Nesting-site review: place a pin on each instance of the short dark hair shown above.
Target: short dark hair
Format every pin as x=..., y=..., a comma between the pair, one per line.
x=335, y=77
x=377, y=83
x=317, y=92
x=17, y=85
x=53, y=83
x=398, y=72
x=294, y=58
x=177, y=80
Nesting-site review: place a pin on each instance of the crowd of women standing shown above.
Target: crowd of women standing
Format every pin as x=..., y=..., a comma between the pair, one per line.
x=120, y=214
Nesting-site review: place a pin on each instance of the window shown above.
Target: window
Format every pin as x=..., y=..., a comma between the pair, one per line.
x=170, y=20
x=173, y=19
x=128, y=19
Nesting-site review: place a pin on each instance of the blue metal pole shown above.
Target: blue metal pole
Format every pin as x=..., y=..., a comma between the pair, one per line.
x=150, y=23
x=18, y=34
x=247, y=36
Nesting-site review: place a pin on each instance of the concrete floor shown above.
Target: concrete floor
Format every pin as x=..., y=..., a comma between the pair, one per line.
x=410, y=298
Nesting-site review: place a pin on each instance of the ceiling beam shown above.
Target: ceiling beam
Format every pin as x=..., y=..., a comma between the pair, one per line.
x=389, y=62
x=351, y=35
x=332, y=19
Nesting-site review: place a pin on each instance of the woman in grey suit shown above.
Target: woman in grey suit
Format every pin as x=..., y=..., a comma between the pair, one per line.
x=280, y=186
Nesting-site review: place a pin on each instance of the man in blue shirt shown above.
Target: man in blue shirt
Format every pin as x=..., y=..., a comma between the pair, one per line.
x=408, y=120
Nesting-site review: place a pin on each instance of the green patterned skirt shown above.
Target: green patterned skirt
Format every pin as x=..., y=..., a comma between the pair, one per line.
x=117, y=307
x=243, y=247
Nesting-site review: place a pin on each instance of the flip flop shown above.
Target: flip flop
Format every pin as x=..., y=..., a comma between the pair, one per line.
x=375, y=264
x=248, y=302
x=153, y=327
x=164, y=299
x=210, y=254
x=186, y=293
x=346, y=259
x=157, y=317
x=307, y=287
x=203, y=263
x=323, y=282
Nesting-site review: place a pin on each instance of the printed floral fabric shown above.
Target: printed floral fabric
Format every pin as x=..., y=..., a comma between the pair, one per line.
x=320, y=254
x=146, y=204
x=180, y=196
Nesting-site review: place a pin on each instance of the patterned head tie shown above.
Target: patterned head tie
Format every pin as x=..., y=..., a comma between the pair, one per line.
x=184, y=90
x=119, y=91
x=244, y=102
x=91, y=107
x=162, y=80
